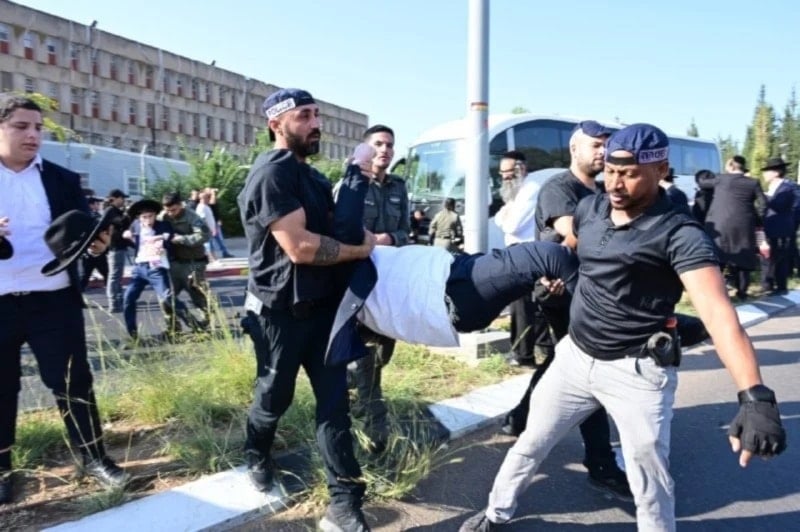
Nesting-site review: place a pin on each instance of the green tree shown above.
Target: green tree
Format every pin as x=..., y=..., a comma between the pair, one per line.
x=760, y=141
x=692, y=131
x=519, y=110
x=789, y=132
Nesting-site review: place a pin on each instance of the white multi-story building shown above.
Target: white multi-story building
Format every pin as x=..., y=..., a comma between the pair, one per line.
x=120, y=93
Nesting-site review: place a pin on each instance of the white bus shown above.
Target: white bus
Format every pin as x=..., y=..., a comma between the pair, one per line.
x=436, y=162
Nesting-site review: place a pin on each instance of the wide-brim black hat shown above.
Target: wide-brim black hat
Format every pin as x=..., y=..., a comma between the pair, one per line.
x=6, y=249
x=775, y=163
x=69, y=235
x=145, y=205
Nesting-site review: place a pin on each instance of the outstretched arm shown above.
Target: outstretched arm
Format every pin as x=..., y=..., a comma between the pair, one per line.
x=757, y=429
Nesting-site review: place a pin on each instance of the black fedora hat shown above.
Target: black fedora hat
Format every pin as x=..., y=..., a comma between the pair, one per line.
x=145, y=205
x=69, y=235
x=6, y=249
x=774, y=163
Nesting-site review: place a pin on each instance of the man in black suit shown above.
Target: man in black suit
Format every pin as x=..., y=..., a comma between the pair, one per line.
x=731, y=221
x=46, y=312
x=779, y=227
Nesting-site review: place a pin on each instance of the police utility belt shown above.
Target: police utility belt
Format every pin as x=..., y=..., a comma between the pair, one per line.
x=664, y=347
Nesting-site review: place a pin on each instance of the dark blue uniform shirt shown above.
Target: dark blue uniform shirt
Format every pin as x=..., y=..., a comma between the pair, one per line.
x=628, y=283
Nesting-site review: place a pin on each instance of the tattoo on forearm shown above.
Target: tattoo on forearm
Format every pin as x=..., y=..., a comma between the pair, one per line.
x=328, y=251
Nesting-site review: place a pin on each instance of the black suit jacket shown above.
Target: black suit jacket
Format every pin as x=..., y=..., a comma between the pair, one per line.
x=64, y=193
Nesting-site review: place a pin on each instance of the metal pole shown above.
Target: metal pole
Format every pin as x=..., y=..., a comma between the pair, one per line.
x=142, y=172
x=476, y=200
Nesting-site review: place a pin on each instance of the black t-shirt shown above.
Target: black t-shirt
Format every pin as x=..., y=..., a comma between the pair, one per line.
x=628, y=284
x=558, y=197
x=277, y=185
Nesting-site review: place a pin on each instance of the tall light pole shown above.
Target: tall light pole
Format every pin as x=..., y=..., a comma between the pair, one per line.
x=476, y=199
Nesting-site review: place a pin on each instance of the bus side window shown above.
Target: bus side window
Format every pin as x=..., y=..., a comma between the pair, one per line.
x=542, y=143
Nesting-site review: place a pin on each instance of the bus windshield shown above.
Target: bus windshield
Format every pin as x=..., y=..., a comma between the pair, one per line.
x=435, y=170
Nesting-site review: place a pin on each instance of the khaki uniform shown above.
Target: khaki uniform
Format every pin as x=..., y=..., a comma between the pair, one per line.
x=188, y=260
x=446, y=231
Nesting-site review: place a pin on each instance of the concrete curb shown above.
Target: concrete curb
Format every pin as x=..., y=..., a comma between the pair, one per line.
x=228, y=498
x=227, y=268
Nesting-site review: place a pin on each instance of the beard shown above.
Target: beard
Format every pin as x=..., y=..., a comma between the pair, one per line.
x=509, y=189
x=303, y=147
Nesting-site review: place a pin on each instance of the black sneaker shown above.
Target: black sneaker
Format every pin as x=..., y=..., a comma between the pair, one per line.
x=261, y=471
x=105, y=471
x=6, y=487
x=479, y=523
x=511, y=427
x=612, y=480
x=341, y=518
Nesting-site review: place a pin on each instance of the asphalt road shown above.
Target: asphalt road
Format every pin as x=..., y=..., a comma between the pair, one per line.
x=713, y=492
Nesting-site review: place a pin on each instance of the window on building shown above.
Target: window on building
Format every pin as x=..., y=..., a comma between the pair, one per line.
x=6, y=81
x=165, y=79
x=223, y=130
x=30, y=86
x=148, y=77
x=52, y=90
x=248, y=134
x=74, y=56
x=181, y=120
x=95, y=62
x=195, y=124
x=179, y=86
x=131, y=72
x=5, y=39
x=208, y=92
x=165, y=119
x=27, y=43
x=75, y=101
x=95, y=100
x=203, y=126
x=113, y=67
x=114, y=109
x=132, y=113
x=223, y=91
x=150, y=113
x=195, y=89
x=52, y=51
x=235, y=137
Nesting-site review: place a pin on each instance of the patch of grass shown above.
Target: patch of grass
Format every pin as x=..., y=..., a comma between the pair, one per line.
x=99, y=501
x=38, y=435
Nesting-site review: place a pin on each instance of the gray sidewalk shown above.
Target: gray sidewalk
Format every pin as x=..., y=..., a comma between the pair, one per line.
x=713, y=492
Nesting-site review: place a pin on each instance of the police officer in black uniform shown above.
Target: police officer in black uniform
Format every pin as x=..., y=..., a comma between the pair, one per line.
x=555, y=207
x=636, y=256
x=286, y=208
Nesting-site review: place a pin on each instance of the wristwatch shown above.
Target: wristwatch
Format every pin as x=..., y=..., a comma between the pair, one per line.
x=757, y=394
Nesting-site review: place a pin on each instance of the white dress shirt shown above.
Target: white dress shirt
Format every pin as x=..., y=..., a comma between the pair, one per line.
x=407, y=302
x=517, y=218
x=24, y=201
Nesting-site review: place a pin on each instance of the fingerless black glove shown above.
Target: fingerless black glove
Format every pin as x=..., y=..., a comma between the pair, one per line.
x=758, y=423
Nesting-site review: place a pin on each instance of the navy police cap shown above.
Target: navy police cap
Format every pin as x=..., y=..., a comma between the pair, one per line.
x=646, y=143
x=592, y=128
x=283, y=100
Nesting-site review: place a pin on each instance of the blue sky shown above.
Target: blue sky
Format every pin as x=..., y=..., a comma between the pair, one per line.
x=403, y=62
